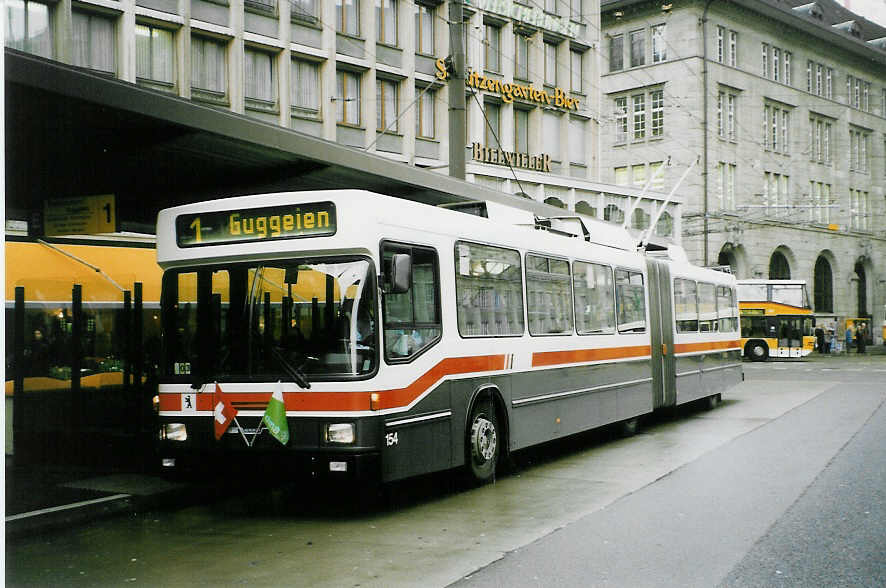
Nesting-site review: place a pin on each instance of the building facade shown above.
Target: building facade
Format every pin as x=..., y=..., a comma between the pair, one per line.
x=782, y=104
x=370, y=75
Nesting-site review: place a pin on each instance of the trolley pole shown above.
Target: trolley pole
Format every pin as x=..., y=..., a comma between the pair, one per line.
x=457, y=138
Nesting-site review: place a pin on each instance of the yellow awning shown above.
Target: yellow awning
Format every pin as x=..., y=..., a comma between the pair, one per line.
x=48, y=275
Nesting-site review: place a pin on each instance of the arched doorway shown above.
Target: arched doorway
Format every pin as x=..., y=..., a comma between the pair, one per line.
x=554, y=201
x=823, y=291
x=862, y=288
x=779, y=269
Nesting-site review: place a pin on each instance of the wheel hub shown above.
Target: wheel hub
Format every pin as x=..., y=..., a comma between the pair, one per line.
x=483, y=439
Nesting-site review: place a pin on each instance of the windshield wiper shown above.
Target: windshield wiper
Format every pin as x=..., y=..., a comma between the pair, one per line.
x=294, y=372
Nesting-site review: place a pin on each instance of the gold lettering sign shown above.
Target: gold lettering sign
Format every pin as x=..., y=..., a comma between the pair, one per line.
x=511, y=91
x=540, y=162
x=313, y=219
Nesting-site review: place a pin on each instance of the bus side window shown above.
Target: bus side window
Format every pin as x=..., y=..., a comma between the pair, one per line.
x=412, y=318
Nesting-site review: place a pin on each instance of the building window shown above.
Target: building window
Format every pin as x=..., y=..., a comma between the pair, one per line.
x=305, y=10
x=28, y=27
x=820, y=140
x=347, y=16
x=94, y=41
x=521, y=130
x=776, y=129
x=787, y=68
x=347, y=98
x=829, y=84
x=577, y=134
x=659, y=48
x=304, y=86
x=268, y=7
x=550, y=64
x=638, y=48
x=621, y=119
x=776, y=64
x=733, y=48
x=779, y=268
x=621, y=178
x=775, y=193
x=154, y=54
x=721, y=32
x=616, y=53
x=809, y=86
x=657, y=98
x=638, y=174
x=260, y=78
x=550, y=126
x=726, y=177
x=386, y=21
x=726, y=115
x=425, y=117
x=820, y=195
x=764, y=64
x=492, y=136
x=858, y=150
x=493, y=48
x=639, y=102
x=209, y=70
x=576, y=63
x=521, y=57
x=860, y=210
x=387, y=105
x=424, y=29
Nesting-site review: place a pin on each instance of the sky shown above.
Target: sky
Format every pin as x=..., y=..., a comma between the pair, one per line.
x=873, y=10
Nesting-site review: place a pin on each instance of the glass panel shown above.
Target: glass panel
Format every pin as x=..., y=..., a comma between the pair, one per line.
x=489, y=291
x=685, y=306
x=630, y=301
x=594, y=298
x=262, y=322
x=707, y=307
x=548, y=296
x=412, y=318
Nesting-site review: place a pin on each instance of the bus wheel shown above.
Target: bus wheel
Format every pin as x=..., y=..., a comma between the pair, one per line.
x=484, y=440
x=757, y=351
x=630, y=427
x=713, y=401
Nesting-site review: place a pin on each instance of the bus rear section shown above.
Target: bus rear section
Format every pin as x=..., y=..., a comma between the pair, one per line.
x=776, y=319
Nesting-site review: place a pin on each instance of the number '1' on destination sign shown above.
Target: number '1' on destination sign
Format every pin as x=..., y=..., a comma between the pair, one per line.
x=313, y=219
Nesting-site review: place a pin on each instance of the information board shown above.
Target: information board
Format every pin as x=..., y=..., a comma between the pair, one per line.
x=84, y=215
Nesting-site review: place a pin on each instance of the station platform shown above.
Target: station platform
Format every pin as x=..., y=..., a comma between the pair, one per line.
x=43, y=498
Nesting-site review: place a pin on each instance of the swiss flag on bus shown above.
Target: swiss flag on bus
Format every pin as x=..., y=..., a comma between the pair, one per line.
x=223, y=412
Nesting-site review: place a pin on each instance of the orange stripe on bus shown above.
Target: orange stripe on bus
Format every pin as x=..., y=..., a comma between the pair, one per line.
x=707, y=346
x=584, y=355
x=351, y=401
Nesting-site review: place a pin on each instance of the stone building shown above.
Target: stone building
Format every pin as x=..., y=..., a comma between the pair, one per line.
x=782, y=106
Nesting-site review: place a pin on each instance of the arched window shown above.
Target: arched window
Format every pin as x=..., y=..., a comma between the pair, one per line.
x=665, y=225
x=583, y=207
x=555, y=202
x=778, y=267
x=639, y=219
x=613, y=214
x=823, y=292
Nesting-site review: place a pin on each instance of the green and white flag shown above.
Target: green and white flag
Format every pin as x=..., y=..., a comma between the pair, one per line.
x=275, y=416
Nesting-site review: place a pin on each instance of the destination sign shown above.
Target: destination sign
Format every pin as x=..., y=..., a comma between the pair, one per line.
x=270, y=223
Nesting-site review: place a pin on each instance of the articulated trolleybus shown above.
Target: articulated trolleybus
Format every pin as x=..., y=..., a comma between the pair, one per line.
x=404, y=338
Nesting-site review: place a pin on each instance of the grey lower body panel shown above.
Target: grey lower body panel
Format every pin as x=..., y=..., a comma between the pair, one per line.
x=703, y=375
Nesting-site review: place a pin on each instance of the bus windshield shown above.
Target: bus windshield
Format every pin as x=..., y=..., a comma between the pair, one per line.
x=293, y=320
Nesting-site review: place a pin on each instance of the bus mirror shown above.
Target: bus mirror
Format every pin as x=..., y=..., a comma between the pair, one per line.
x=401, y=273
x=291, y=276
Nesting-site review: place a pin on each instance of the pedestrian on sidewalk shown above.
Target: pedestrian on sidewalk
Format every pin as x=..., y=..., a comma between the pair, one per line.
x=848, y=338
x=860, y=338
x=819, y=339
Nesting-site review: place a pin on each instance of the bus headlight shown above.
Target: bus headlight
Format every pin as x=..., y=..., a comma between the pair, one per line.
x=339, y=433
x=174, y=432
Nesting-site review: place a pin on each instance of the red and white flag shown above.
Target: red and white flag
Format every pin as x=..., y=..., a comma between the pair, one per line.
x=224, y=412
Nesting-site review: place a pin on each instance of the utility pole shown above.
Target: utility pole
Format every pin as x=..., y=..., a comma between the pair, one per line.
x=457, y=139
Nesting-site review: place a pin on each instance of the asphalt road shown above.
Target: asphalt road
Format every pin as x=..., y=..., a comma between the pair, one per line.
x=799, y=501
x=782, y=485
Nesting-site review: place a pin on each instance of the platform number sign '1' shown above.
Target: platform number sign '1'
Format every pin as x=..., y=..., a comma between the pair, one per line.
x=289, y=221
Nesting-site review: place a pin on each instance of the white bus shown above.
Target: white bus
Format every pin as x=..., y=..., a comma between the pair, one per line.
x=409, y=338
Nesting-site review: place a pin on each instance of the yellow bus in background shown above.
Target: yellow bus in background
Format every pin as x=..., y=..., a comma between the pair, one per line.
x=776, y=319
